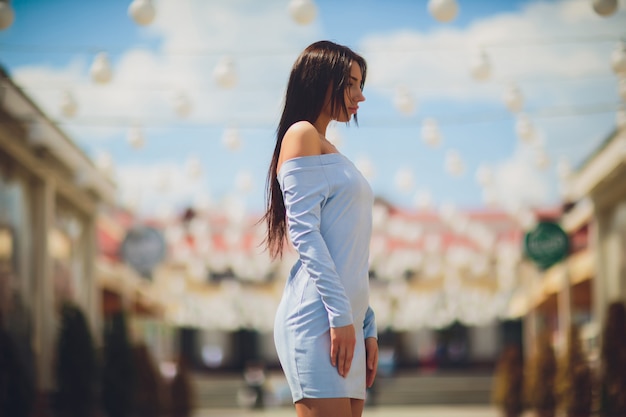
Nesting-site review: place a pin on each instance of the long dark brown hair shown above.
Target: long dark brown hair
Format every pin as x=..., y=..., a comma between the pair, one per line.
x=321, y=65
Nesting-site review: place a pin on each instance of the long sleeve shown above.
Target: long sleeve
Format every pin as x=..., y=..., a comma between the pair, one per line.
x=369, y=324
x=305, y=190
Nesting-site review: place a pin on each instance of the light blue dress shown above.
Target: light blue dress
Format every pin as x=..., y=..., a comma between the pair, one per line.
x=329, y=217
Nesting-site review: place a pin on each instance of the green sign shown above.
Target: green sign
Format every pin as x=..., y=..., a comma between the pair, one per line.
x=546, y=245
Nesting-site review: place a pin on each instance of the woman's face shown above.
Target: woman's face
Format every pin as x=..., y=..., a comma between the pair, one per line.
x=352, y=95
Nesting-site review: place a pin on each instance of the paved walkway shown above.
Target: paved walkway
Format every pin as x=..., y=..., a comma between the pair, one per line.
x=400, y=411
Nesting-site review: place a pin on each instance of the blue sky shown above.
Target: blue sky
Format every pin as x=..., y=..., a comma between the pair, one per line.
x=556, y=52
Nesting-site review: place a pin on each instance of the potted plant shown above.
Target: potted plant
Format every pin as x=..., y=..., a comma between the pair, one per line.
x=17, y=389
x=574, y=380
x=541, y=378
x=613, y=362
x=508, y=387
x=118, y=368
x=149, y=392
x=76, y=365
x=181, y=391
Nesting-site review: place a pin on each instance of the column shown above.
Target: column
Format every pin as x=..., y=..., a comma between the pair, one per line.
x=531, y=274
x=45, y=320
x=564, y=302
x=93, y=303
x=597, y=232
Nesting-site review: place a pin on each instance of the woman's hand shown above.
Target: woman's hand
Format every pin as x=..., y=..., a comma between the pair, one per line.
x=371, y=355
x=342, y=343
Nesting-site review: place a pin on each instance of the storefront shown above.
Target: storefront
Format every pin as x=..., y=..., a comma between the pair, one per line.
x=50, y=193
x=602, y=180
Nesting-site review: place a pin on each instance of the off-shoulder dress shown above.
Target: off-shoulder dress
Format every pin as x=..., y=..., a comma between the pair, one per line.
x=329, y=218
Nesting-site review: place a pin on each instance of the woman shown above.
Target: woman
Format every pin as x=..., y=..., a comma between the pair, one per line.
x=324, y=330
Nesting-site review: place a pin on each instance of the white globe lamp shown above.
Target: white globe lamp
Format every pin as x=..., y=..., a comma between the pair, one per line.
x=225, y=73
x=142, y=12
x=69, y=108
x=480, y=67
x=443, y=11
x=404, y=101
x=182, y=105
x=454, y=163
x=302, y=12
x=136, y=138
x=404, y=180
x=620, y=118
x=484, y=176
x=7, y=15
x=231, y=139
x=564, y=169
x=622, y=88
x=618, y=59
x=605, y=8
x=101, y=72
x=423, y=200
x=194, y=168
x=524, y=128
x=513, y=99
x=244, y=181
x=431, y=134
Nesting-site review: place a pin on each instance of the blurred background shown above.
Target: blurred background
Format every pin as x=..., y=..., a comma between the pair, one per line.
x=135, y=138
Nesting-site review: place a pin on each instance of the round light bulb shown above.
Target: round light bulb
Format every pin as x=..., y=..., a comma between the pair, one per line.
x=620, y=118
x=244, y=181
x=136, y=137
x=225, y=73
x=443, y=11
x=182, y=105
x=194, y=167
x=423, y=200
x=454, y=164
x=101, y=72
x=542, y=161
x=490, y=196
x=104, y=162
x=480, y=67
x=618, y=59
x=622, y=88
x=142, y=12
x=513, y=99
x=7, y=15
x=564, y=169
x=524, y=128
x=68, y=105
x=404, y=101
x=604, y=7
x=431, y=134
x=484, y=176
x=302, y=12
x=404, y=180
x=231, y=139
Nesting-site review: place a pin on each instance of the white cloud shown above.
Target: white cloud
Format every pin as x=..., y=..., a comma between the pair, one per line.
x=194, y=35
x=155, y=188
x=543, y=41
x=519, y=184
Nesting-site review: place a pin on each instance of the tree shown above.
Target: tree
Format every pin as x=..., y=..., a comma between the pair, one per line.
x=17, y=389
x=181, y=391
x=118, y=374
x=574, y=380
x=149, y=393
x=613, y=362
x=508, y=388
x=76, y=365
x=541, y=378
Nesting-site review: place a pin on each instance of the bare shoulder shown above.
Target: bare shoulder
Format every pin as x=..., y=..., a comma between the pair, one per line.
x=301, y=139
